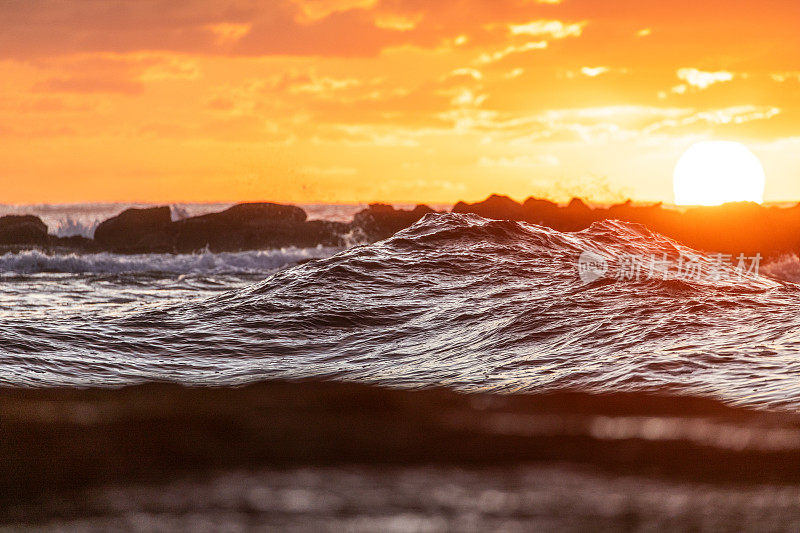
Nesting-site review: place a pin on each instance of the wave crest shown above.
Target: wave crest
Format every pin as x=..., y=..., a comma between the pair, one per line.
x=34, y=262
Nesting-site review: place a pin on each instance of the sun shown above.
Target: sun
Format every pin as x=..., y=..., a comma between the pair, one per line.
x=716, y=172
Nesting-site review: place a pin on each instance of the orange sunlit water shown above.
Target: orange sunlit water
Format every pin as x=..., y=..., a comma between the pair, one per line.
x=360, y=100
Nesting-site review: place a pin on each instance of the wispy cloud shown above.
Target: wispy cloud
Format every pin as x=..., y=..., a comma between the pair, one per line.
x=553, y=28
x=593, y=72
x=703, y=79
x=492, y=57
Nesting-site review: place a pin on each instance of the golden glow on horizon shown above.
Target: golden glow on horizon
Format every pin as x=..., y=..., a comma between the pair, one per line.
x=717, y=172
x=387, y=100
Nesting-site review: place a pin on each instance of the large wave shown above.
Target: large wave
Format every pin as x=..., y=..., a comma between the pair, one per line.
x=460, y=301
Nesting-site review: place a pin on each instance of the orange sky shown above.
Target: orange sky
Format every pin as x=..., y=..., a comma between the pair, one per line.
x=393, y=100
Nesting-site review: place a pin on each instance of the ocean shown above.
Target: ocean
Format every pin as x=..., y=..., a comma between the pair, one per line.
x=457, y=301
x=464, y=374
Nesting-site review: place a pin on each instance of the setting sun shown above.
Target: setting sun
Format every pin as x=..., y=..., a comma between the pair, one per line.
x=716, y=172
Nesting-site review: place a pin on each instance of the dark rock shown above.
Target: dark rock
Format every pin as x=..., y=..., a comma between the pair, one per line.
x=740, y=227
x=22, y=229
x=578, y=205
x=137, y=230
x=253, y=214
x=381, y=221
x=538, y=211
x=495, y=206
x=255, y=226
x=74, y=242
x=577, y=216
x=324, y=232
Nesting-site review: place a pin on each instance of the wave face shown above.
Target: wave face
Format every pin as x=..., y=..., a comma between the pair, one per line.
x=456, y=300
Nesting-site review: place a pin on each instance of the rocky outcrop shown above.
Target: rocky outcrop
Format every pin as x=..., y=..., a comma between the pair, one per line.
x=741, y=227
x=137, y=230
x=575, y=216
x=539, y=211
x=735, y=228
x=249, y=226
x=495, y=206
x=255, y=226
x=22, y=229
x=381, y=221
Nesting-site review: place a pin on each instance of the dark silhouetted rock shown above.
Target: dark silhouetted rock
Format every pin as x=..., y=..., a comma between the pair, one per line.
x=324, y=232
x=542, y=212
x=22, y=229
x=739, y=227
x=255, y=226
x=259, y=214
x=578, y=206
x=381, y=221
x=137, y=230
x=74, y=242
x=495, y=206
x=742, y=227
x=577, y=216
x=734, y=228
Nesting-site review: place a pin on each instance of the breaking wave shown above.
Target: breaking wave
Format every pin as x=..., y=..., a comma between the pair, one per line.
x=34, y=261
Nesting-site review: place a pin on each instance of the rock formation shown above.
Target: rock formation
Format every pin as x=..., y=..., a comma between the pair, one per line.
x=380, y=221
x=22, y=229
x=136, y=230
x=735, y=228
x=255, y=226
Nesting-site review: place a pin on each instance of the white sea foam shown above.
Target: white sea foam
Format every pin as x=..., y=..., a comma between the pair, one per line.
x=34, y=261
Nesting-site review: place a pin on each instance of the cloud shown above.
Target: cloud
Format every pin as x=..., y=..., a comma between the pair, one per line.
x=323, y=85
x=467, y=97
x=493, y=57
x=595, y=125
x=781, y=77
x=313, y=10
x=725, y=116
x=593, y=72
x=228, y=33
x=396, y=22
x=465, y=72
x=173, y=68
x=703, y=79
x=554, y=28
x=37, y=28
